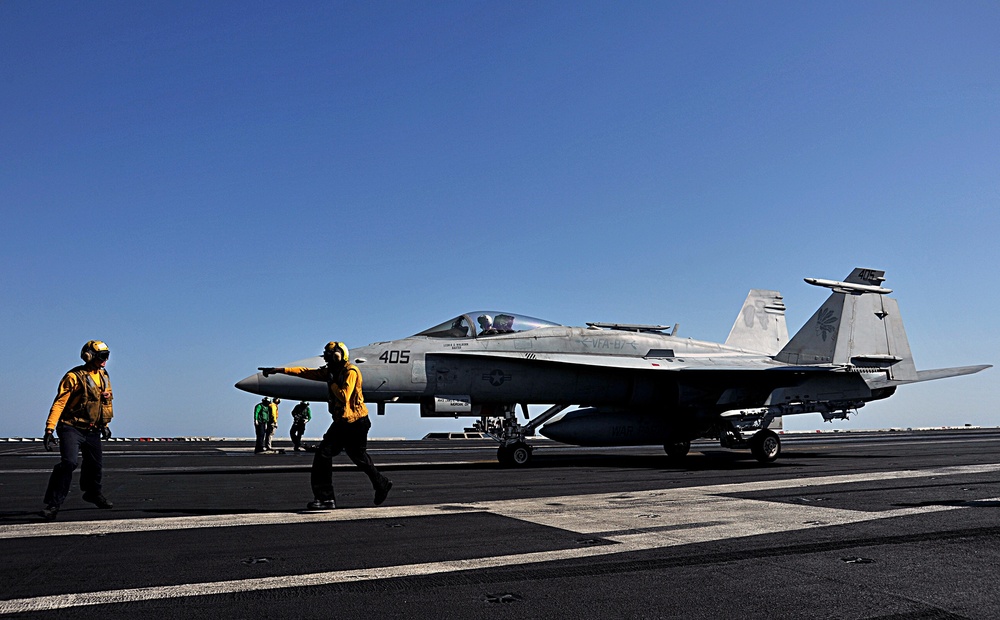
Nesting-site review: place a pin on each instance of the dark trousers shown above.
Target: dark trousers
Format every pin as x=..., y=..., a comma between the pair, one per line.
x=351, y=438
x=298, y=427
x=73, y=441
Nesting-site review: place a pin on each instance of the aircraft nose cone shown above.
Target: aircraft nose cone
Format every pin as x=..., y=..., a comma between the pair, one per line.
x=250, y=384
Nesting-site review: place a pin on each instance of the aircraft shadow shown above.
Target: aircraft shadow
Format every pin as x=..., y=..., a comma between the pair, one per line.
x=713, y=461
x=964, y=503
x=240, y=471
x=697, y=461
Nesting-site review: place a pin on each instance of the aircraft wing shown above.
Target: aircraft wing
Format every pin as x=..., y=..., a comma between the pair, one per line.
x=621, y=362
x=701, y=364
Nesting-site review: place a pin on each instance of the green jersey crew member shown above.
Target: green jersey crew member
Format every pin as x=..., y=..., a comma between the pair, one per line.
x=261, y=420
x=349, y=430
x=80, y=416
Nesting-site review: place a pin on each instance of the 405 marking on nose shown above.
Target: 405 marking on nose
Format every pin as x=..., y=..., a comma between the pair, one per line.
x=395, y=357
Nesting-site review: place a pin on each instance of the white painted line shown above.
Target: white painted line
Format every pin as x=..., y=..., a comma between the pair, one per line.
x=630, y=519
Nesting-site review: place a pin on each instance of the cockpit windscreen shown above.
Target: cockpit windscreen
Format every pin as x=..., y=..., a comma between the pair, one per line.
x=485, y=323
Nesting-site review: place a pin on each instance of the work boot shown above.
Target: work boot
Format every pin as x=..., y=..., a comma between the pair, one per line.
x=382, y=491
x=49, y=512
x=98, y=500
x=321, y=504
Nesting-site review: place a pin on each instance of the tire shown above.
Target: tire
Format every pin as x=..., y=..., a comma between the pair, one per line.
x=765, y=446
x=520, y=454
x=515, y=455
x=677, y=450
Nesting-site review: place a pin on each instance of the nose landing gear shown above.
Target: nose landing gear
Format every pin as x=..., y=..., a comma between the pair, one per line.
x=514, y=451
x=517, y=454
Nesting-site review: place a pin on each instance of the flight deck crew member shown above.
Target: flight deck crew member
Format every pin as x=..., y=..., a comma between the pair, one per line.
x=261, y=418
x=80, y=416
x=300, y=415
x=272, y=425
x=349, y=430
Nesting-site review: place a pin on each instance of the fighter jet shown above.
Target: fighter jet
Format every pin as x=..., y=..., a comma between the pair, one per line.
x=643, y=384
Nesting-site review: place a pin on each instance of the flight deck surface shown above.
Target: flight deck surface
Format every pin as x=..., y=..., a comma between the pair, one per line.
x=879, y=525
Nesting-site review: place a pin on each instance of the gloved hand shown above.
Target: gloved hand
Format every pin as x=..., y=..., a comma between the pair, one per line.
x=106, y=433
x=49, y=440
x=268, y=371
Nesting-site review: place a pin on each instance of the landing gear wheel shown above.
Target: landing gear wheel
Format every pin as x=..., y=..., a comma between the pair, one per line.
x=514, y=455
x=520, y=454
x=765, y=446
x=677, y=450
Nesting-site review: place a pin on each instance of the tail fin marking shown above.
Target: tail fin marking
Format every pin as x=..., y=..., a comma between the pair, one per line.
x=856, y=327
x=760, y=325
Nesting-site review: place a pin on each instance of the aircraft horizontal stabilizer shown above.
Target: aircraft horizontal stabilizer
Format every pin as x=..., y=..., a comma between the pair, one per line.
x=944, y=373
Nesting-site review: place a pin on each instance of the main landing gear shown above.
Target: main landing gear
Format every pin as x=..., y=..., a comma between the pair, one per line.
x=765, y=446
x=677, y=450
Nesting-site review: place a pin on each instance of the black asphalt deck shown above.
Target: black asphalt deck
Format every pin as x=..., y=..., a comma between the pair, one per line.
x=880, y=525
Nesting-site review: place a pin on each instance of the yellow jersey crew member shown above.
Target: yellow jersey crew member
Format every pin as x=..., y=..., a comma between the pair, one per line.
x=271, y=427
x=349, y=430
x=80, y=416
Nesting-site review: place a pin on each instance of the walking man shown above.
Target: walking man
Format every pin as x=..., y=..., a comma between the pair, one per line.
x=349, y=430
x=300, y=415
x=80, y=416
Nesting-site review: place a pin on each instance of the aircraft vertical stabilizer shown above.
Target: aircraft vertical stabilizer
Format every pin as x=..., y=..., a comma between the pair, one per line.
x=857, y=325
x=760, y=325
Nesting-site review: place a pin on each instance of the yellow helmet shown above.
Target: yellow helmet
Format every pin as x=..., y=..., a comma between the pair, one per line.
x=94, y=349
x=332, y=346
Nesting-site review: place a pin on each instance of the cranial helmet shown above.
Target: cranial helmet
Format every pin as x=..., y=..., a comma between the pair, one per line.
x=94, y=349
x=332, y=346
x=485, y=322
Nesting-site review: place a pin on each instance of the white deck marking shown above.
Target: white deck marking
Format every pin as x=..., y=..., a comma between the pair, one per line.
x=635, y=520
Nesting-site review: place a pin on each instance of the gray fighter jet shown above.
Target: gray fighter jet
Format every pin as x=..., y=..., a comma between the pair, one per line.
x=643, y=384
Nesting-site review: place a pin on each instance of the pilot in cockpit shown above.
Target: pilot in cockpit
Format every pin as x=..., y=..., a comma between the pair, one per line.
x=485, y=325
x=504, y=324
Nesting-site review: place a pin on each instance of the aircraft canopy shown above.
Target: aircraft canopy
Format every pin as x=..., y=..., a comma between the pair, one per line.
x=484, y=324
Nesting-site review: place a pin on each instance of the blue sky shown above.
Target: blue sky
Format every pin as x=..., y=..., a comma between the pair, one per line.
x=212, y=187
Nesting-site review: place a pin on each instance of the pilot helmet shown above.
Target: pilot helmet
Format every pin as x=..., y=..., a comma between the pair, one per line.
x=94, y=350
x=485, y=322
